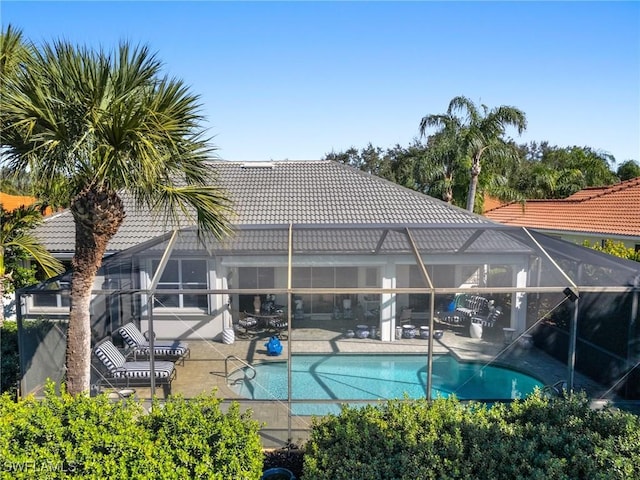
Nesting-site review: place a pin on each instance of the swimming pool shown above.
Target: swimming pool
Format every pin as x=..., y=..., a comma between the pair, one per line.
x=382, y=377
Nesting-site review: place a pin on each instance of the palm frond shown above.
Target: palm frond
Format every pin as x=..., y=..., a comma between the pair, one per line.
x=207, y=207
x=83, y=117
x=33, y=248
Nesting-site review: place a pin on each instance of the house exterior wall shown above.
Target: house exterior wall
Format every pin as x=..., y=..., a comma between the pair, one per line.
x=109, y=311
x=391, y=272
x=598, y=239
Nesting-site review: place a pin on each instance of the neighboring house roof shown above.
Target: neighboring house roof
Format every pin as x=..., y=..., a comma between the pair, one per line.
x=613, y=210
x=11, y=202
x=490, y=203
x=283, y=192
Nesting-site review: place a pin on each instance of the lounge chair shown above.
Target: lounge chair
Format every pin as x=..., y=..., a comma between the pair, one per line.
x=121, y=372
x=139, y=345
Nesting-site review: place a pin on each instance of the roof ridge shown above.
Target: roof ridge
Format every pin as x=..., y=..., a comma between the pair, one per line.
x=602, y=191
x=275, y=162
x=402, y=187
x=610, y=189
x=532, y=200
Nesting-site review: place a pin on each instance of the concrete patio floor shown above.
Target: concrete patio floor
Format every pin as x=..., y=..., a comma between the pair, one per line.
x=210, y=362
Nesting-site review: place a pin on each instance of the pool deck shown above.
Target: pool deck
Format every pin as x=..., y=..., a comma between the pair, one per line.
x=209, y=363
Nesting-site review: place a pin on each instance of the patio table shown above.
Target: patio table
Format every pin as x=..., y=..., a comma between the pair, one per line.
x=272, y=322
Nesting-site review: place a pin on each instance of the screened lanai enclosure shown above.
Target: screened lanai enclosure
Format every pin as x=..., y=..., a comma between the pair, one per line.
x=294, y=320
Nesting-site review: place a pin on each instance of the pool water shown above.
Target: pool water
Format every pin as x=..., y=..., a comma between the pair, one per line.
x=382, y=377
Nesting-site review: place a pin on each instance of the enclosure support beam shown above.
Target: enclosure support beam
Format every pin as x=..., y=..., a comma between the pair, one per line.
x=429, y=283
x=519, y=303
x=573, y=337
x=152, y=290
x=152, y=339
x=632, y=360
x=388, y=304
x=289, y=322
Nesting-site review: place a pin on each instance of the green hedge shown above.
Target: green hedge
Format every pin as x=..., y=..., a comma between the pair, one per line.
x=65, y=437
x=535, y=438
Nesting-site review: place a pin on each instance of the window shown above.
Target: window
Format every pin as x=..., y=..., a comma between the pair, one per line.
x=52, y=300
x=417, y=301
x=182, y=274
x=371, y=277
x=324, y=277
x=254, y=278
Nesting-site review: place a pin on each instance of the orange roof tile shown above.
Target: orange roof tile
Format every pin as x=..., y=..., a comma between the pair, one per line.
x=11, y=202
x=612, y=210
x=491, y=202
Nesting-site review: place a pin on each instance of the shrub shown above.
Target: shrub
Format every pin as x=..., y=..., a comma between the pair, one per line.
x=203, y=442
x=10, y=362
x=535, y=438
x=65, y=437
x=617, y=249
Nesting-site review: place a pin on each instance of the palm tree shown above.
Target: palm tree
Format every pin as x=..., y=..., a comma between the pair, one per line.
x=479, y=134
x=14, y=52
x=88, y=126
x=443, y=160
x=17, y=243
x=555, y=172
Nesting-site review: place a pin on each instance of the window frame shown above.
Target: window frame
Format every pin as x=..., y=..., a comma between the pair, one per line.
x=181, y=284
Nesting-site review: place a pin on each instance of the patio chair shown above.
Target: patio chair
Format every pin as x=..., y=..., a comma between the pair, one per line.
x=489, y=320
x=247, y=326
x=119, y=371
x=469, y=306
x=139, y=345
x=405, y=315
x=280, y=326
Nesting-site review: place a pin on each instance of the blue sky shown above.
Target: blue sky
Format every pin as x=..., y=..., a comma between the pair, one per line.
x=296, y=80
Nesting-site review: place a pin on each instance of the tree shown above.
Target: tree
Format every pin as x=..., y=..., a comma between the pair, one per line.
x=442, y=163
x=627, y=170
x=87, y=125
x=17, y=245
x=479, y=134
x=370, y=159
x=595, y=166
x=435, y=168
x=555, y=172
x=15, y=51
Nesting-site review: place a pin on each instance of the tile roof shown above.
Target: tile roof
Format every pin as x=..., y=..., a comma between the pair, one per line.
x=283, y=192
x=613, y=210
x=11, y=202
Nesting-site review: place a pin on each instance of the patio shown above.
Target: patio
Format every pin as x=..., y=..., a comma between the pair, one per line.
x=207, y=368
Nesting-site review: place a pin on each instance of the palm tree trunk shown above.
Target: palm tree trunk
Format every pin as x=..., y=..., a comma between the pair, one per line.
x=471, y=196
x=473, y=184
x=97, y=215
x=2, y=280
x=447, y=195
